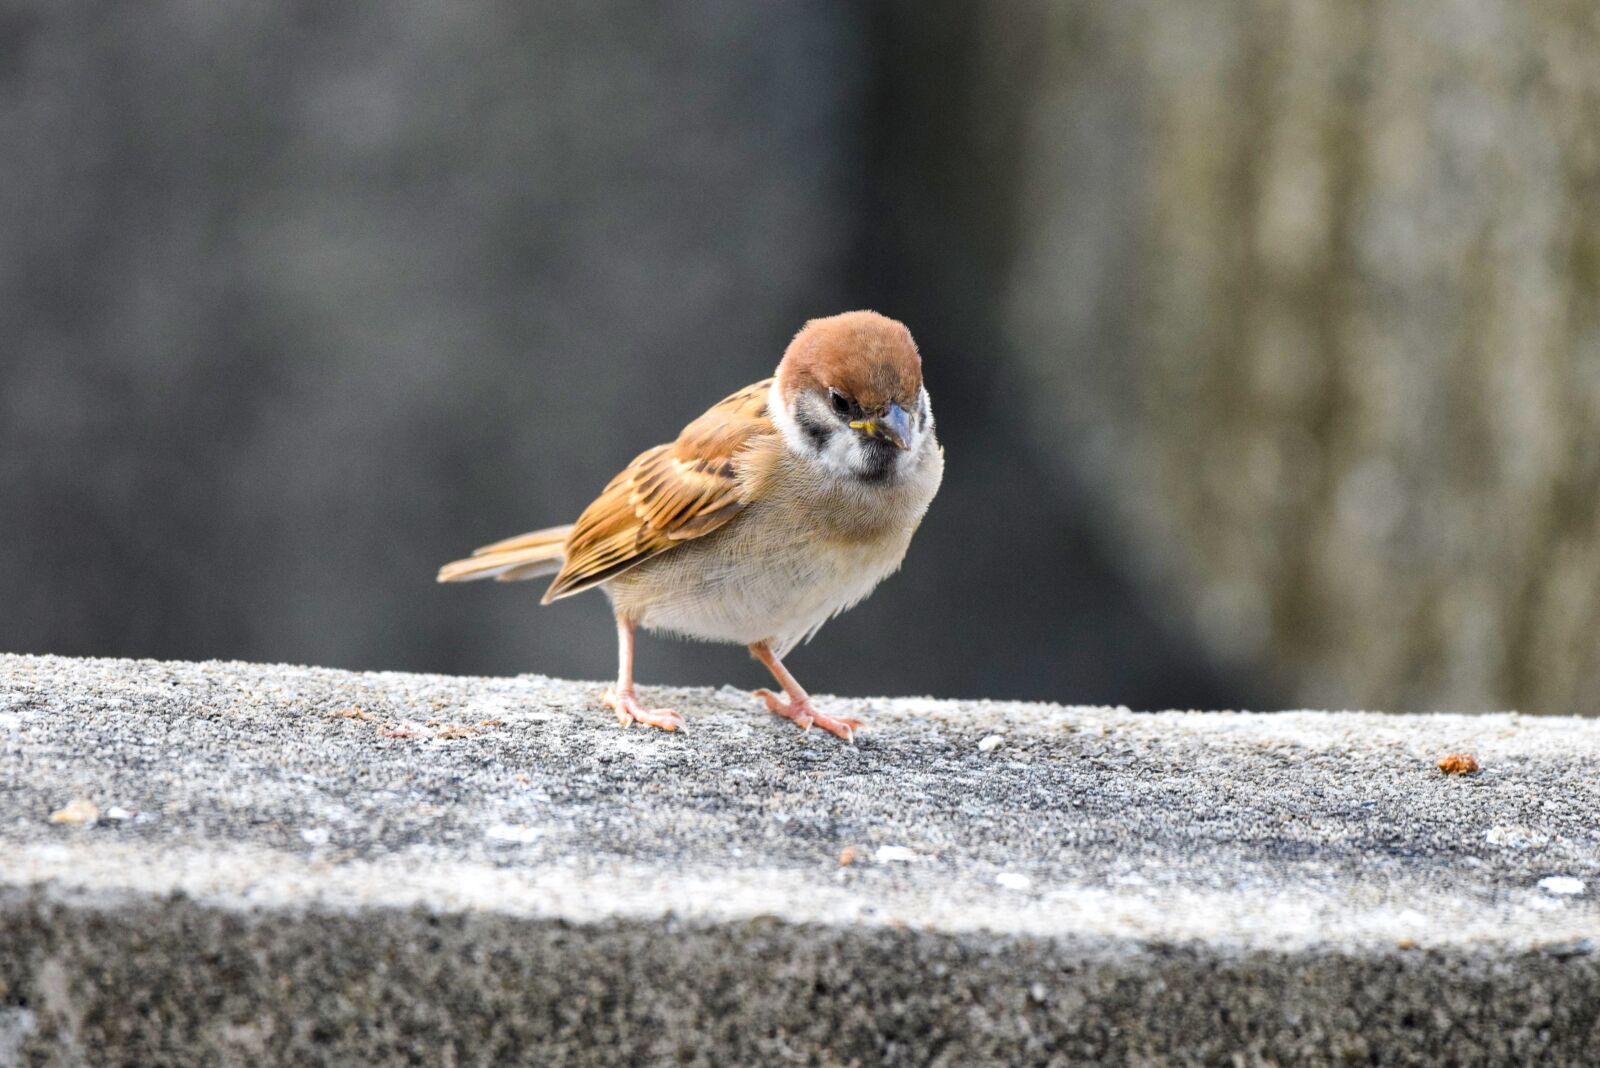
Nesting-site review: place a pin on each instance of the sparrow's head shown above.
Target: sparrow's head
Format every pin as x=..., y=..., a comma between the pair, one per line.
x=851, y=395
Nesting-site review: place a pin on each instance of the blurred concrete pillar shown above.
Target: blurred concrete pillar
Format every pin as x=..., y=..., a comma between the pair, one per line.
x=1308, y=295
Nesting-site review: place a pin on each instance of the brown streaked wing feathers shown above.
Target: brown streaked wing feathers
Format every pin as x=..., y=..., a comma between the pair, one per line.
x=668, y=495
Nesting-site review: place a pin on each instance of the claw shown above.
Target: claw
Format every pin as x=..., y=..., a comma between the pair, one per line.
x=806, y=716
x=629, y=711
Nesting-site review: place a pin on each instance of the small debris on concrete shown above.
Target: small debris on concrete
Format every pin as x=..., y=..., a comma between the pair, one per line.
x=315, y=836
x=990, y=743
x=1459, y=764
x=352, y=712
x=456, y=730
x=1012, y=880
x=117, y=812
x=76, y=813
x=408, y=729
x=1577, y=947
x=848, y=856
x=1564, y=885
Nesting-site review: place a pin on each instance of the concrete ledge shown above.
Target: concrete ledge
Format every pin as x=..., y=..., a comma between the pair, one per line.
x=296, y=865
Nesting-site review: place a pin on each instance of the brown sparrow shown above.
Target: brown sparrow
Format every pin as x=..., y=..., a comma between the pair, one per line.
x=779, y=508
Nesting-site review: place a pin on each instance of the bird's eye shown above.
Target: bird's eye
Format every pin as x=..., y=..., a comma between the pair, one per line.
x=840, y=403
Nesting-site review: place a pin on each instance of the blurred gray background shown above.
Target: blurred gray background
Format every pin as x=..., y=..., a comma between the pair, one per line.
x=1264, y=336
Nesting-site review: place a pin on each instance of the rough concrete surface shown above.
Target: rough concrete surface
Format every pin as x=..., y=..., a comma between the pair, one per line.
x=296, y=865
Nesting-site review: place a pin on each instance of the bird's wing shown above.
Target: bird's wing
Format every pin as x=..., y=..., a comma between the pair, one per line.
x=673, y=493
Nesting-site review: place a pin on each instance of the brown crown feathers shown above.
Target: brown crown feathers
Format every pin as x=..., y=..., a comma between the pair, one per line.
x=870, y=358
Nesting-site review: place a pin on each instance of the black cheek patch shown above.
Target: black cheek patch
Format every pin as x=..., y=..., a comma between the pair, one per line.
x=815, y=432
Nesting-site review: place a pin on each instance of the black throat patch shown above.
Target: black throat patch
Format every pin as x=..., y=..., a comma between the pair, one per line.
x=879, y=460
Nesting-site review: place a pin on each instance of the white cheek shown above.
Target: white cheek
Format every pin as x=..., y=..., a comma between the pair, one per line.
x=924, y=426
x=844, y=454
x=793, y=436
x=840, y=456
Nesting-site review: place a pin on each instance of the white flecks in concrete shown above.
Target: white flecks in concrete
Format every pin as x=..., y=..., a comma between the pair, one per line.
x=990, y=743
x=888, y=853
x=16, y=1024
x=1564, y=885
x=489, y=707
x=315, y=836
x=514, y=833
x=1013, y=880
x=1517, y=837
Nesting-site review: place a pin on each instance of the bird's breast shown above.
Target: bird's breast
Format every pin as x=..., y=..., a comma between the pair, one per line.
x=810, y=548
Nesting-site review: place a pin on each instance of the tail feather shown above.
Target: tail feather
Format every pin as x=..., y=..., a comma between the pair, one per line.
x=525, y=556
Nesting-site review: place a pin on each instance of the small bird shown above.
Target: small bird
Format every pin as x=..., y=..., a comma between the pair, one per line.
x=783, y=505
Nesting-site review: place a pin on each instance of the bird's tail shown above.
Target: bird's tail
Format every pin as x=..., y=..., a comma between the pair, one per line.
x=522, y=557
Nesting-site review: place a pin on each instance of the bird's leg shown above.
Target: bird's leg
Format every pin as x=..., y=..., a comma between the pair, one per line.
x=798, y=707
x=622, y=700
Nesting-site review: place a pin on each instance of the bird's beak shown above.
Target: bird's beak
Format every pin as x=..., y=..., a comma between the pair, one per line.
x=893, y=426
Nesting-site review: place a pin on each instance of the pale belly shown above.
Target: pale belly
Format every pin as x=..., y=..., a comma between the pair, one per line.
x=754, y=581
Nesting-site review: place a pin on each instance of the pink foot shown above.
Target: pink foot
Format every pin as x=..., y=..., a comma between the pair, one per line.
x=629, y=711
x=807, y=717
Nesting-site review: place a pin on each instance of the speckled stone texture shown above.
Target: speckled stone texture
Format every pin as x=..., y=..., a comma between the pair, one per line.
x=293, y=865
